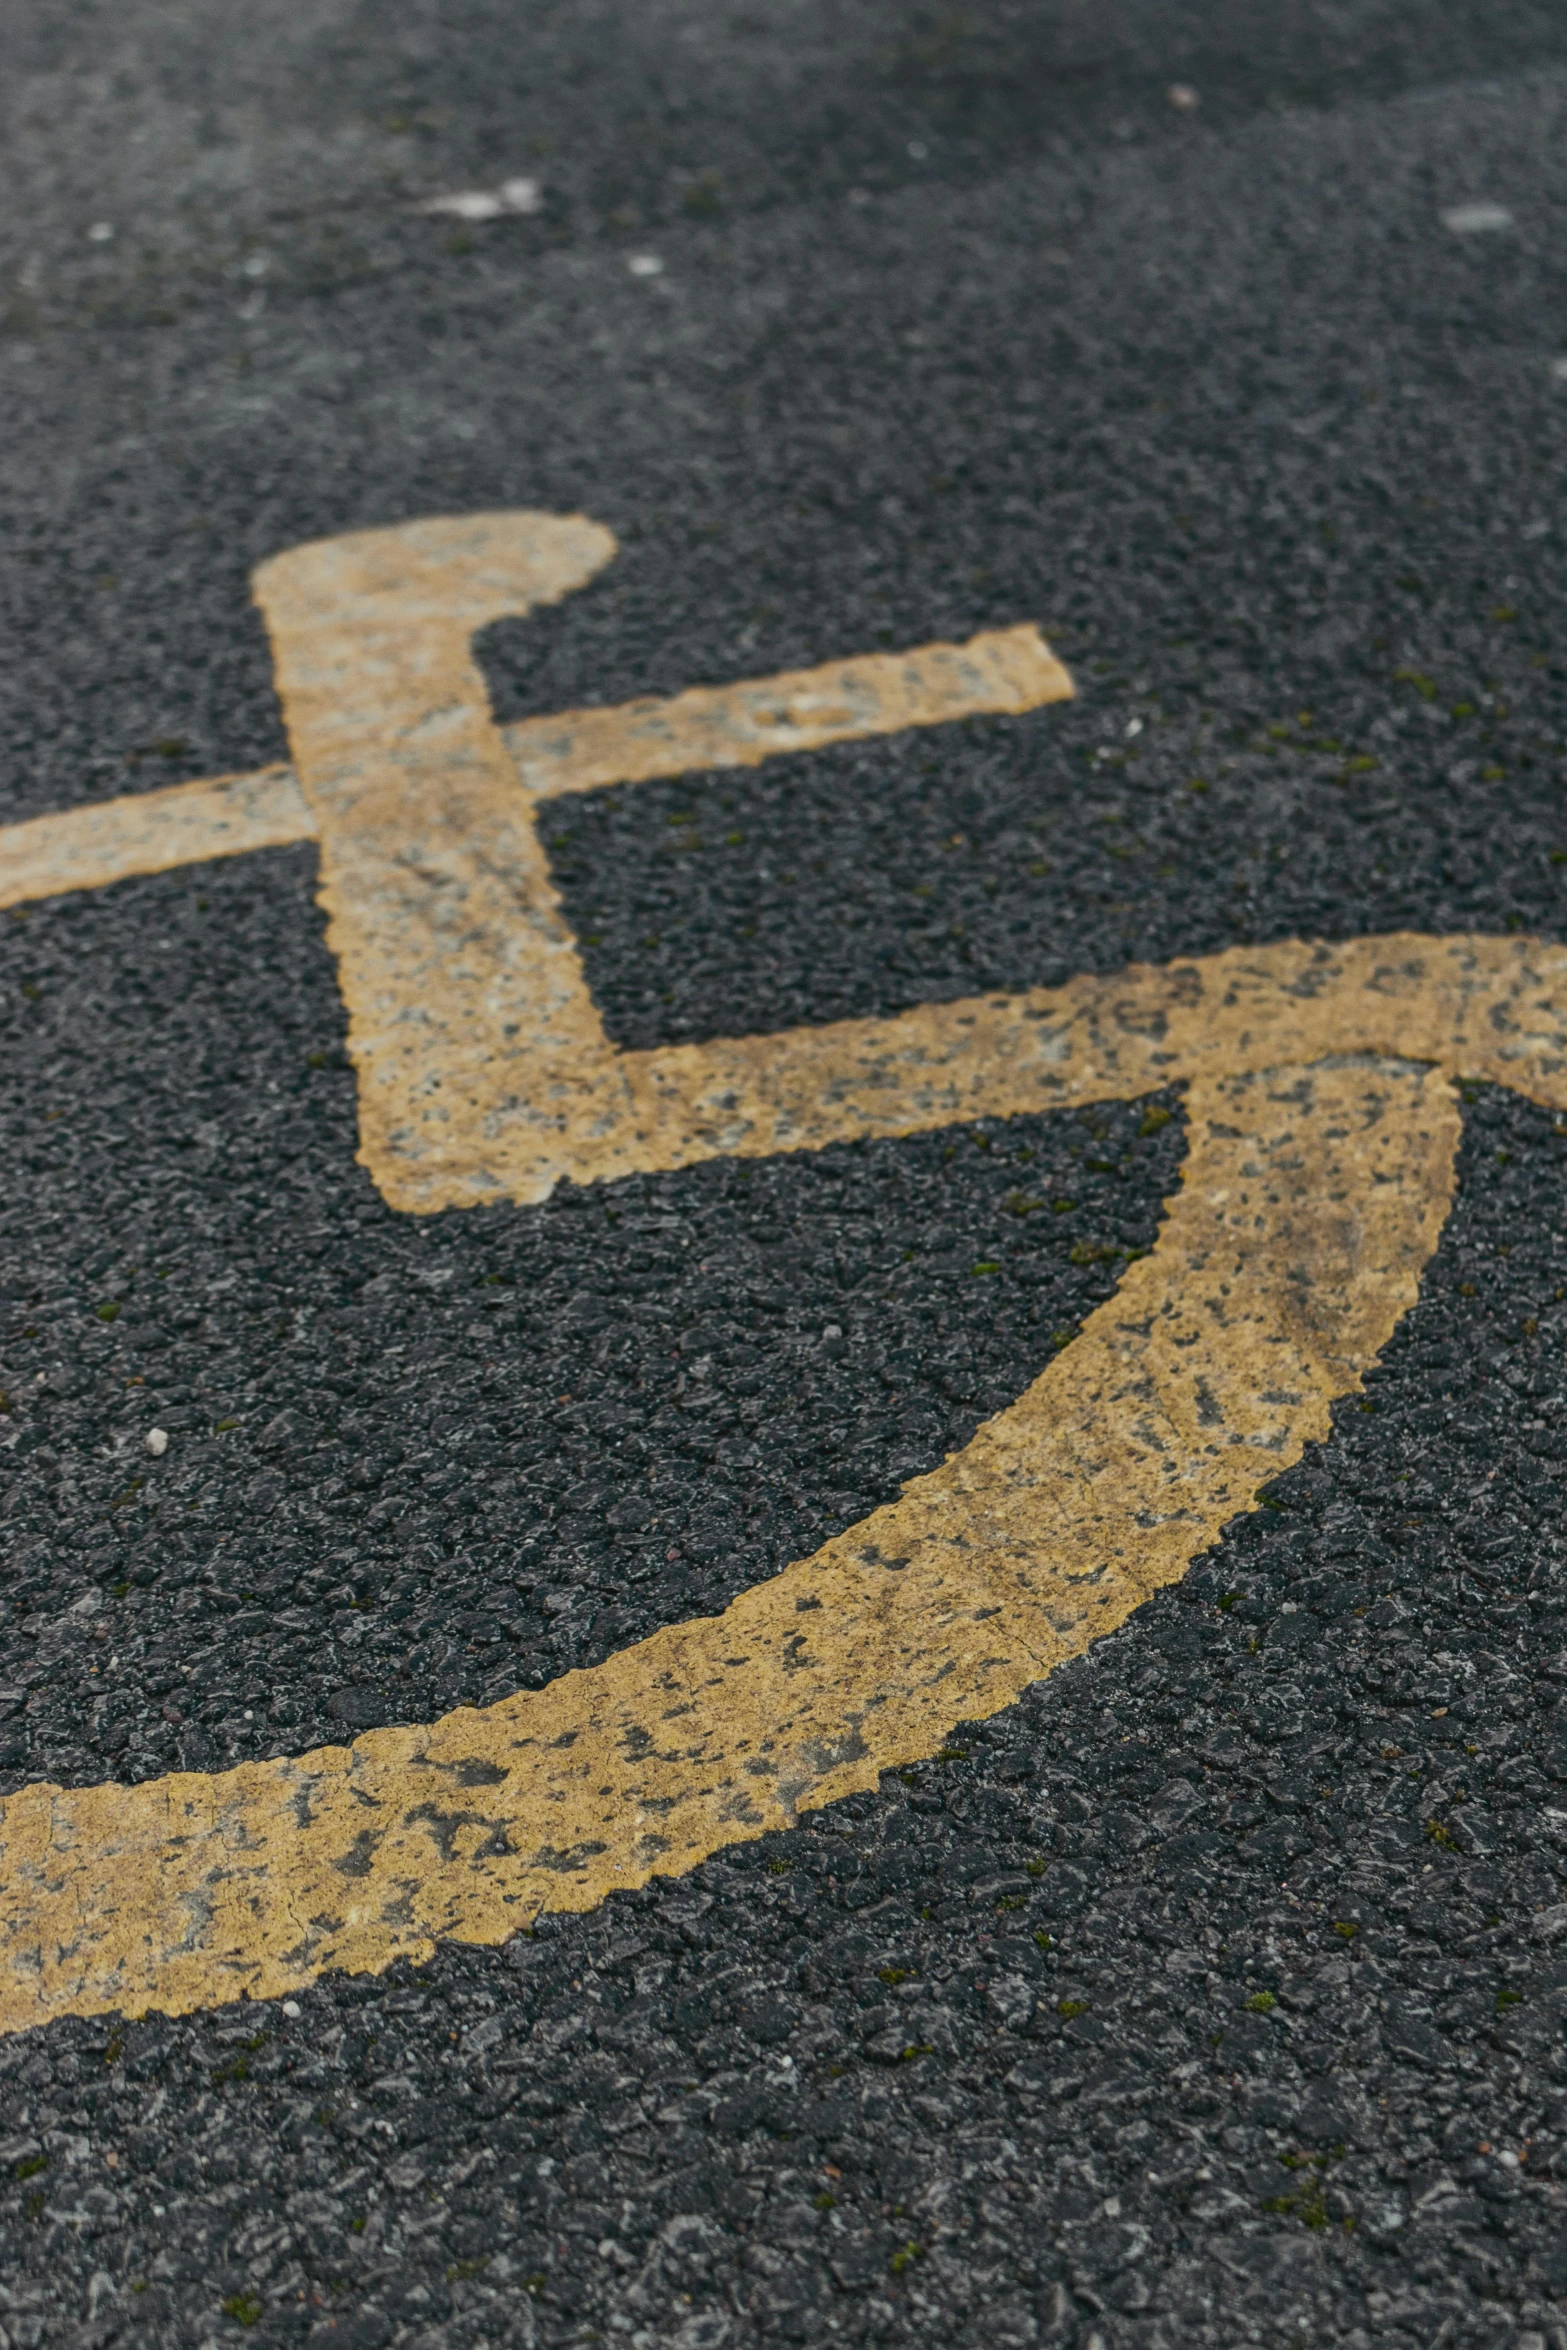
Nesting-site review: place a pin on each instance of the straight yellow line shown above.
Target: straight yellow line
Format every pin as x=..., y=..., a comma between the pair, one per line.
x=998, y=672
x=1311, y=1199
x=148, y=832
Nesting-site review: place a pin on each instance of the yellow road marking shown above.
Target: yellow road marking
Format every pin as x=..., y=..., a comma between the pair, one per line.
x=483, y=1065
x=1000, y=671
x=1319, y=1172
x=148, y=832
x=1007, y=670
x=1311, y=1198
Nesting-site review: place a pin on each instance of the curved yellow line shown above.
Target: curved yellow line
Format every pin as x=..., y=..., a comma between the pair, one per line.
x=1310, y=1200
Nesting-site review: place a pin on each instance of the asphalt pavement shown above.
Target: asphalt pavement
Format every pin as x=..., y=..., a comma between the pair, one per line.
x=1214, y=1993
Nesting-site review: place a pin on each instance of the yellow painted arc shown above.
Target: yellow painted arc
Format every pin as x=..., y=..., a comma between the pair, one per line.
x=1311, y=1199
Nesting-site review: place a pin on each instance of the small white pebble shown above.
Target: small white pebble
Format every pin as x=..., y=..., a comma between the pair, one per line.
x=1476, y=220
x=249, y=1716
x=157, y=1442
x=466, y=204
x=644, y=265
x=514, y=195
x=1134, y=726
x=292, y=2009
x=1182, y=97
x=101, y=232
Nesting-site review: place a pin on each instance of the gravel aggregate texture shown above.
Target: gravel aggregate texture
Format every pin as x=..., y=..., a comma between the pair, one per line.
x=1211, y=1998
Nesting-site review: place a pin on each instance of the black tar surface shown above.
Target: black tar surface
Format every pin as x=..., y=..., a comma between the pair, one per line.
x=1212, y=1995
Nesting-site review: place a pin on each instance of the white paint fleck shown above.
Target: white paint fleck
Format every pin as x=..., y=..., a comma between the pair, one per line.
x=467, y=204
x=1477, y=219
x=157, y=1442
x=101, y=232
x=644, y=265
x=512, y=196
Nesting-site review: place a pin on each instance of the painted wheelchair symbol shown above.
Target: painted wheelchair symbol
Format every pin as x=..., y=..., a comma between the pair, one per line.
x=1322, y=1132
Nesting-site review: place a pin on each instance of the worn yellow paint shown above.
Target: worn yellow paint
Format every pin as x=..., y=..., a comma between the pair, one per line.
x=1311, y=1198
x=148, y=832
x=484, y=1070
x=740, y=725
x=1488, y=1007
x=1319, y=1172
x=1482, y=1007
x=1006, y=670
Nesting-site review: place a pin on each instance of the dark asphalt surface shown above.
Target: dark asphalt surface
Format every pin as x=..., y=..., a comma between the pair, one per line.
x=1214, y=1995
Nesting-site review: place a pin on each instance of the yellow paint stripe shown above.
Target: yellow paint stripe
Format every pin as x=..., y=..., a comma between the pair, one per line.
x=1492, y=1008
x=1006, y=670
x=1310, y=1201
x=1001, y=671
x=149, y=832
